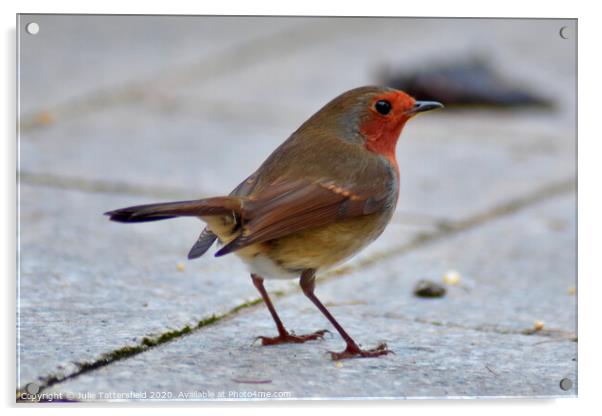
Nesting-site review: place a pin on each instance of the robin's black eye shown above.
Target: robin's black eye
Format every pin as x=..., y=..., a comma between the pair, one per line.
x=383, y=107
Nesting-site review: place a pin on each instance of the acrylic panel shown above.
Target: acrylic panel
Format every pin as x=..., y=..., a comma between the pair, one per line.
x=472, y=285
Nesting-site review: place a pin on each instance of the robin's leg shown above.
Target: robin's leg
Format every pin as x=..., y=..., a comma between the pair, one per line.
x=308, y=284
x=283, y=335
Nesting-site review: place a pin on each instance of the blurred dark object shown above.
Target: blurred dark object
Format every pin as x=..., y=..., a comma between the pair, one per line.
x=472, y=83
x=428, y=289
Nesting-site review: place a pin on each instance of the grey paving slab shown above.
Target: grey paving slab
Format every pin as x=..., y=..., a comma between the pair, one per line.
x=517, y=270
x=77, y=55
x=89, y=286
x=88, y=52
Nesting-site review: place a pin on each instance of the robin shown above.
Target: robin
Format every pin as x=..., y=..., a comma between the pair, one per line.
x=322, y=196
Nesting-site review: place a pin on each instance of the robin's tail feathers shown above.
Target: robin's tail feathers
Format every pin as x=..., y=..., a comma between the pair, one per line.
x=163, y=211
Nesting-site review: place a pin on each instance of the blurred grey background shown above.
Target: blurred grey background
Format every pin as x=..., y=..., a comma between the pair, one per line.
x=122, y=110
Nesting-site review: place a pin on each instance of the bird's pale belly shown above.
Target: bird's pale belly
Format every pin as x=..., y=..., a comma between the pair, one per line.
x=316, y=248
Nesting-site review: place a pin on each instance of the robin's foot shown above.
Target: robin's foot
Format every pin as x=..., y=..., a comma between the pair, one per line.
x=289, y=337
x=353, y=351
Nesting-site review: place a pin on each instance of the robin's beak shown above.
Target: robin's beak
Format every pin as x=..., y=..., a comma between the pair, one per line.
x=422, y=106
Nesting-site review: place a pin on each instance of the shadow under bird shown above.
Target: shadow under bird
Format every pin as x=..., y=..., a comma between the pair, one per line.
x=323, y=195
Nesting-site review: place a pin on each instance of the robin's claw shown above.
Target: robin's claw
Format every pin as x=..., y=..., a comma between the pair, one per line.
x=290, y=338
x=353, y=351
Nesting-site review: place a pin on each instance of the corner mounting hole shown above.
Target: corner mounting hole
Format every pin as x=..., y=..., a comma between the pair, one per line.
x=32, y=28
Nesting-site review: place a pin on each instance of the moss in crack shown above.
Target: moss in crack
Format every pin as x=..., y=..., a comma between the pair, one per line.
x=245, y=305
x=123, y=352
x=166, y=337
x=107, y=358
x=209, y=320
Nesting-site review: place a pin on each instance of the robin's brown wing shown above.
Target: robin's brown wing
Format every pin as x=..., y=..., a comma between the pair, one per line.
x=288, y=207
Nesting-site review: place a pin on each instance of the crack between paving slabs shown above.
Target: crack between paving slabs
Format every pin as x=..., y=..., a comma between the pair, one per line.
x=553, y=333
x=102, y=186
x=511, y=206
